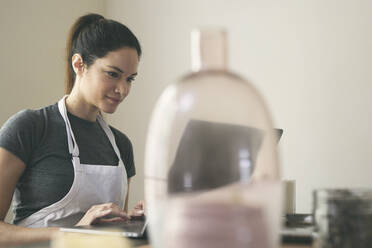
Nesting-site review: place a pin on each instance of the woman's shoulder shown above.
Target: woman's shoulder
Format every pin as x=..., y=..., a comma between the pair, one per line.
x=22, y=132
x=22, y=118
x=30, y=116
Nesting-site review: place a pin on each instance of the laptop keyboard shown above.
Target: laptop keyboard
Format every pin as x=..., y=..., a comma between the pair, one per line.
x=128, y=226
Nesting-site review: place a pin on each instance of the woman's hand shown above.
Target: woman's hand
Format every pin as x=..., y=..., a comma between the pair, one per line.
x=108, y=212
x=138, y=211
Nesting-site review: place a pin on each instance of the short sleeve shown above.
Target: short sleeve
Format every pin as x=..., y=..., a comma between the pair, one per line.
x=18, y=135
x=126, y=151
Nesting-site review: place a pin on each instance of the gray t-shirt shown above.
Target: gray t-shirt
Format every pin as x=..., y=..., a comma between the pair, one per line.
x=39, y=139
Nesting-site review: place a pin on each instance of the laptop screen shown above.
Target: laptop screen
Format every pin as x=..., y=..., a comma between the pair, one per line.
x=208, y=153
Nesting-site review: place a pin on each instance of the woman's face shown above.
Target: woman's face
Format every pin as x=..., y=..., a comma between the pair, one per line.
x=106, y=83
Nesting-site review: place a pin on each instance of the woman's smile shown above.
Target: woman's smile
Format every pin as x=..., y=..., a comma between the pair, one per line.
x=115, y=100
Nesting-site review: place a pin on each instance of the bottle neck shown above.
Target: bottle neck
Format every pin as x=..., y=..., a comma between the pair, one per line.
x=208, y=50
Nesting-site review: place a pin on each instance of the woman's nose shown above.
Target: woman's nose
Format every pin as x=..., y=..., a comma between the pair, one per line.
x=123, y=88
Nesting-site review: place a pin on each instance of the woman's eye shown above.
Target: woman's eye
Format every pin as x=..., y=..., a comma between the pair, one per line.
x=131, y=79
x=113, y=74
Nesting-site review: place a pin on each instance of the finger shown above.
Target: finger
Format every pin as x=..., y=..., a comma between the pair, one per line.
x=140, y=205
x=110, y=205
x=110, y=214
x=112, y=208
x=137, y=213
x=116, y=213
x=100, y=207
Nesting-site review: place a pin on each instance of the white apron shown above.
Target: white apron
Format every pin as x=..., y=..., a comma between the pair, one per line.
x=92, y=185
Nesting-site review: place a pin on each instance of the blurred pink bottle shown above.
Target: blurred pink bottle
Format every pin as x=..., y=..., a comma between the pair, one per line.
x=211, y=164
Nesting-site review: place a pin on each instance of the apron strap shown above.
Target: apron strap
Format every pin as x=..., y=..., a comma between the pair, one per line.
x=72, y=145
x=110, y=135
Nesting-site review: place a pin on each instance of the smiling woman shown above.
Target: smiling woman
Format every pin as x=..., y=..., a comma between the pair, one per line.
x=64, y=164
x=105, y=84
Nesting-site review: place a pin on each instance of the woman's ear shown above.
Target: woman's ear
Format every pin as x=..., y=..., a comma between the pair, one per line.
x=77, y=64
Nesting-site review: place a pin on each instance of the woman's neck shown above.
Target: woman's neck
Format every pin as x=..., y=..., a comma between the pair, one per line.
x=76, y=105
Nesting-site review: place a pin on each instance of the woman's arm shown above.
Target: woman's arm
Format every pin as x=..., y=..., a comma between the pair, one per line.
x=11, y=168
x=127, y=198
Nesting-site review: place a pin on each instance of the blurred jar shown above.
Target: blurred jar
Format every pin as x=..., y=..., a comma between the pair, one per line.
x=211, y=164
x=343, y=218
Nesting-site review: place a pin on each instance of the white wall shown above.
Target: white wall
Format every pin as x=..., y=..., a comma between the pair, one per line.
x=310, y=60
x=32, y=43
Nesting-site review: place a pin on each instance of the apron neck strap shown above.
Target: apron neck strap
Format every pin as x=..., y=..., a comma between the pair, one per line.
x=110, y=135
x=72, y=145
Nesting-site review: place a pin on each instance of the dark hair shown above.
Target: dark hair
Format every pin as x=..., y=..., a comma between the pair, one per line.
x=92, y=36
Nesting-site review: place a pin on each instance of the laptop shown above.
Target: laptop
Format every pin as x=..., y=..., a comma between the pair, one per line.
x=134, y=228
x=209, y=154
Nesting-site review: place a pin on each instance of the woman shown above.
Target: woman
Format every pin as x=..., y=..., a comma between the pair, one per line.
x=63, y=163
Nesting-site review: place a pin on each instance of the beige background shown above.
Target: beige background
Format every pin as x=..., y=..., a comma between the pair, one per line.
x=310, y=60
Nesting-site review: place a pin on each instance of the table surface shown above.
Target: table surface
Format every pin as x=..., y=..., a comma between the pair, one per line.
x=142, y=243
x=46, y=245
x=283, y=246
